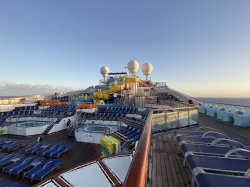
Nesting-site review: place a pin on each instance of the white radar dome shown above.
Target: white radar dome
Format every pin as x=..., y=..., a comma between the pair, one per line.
x=147, y=69
x=133, y=67
x=104, y=70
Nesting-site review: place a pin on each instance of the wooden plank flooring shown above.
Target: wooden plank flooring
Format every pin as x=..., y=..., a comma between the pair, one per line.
x=167, y=163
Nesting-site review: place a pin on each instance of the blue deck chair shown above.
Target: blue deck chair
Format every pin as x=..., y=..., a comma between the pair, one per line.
x=195, y=131
x=10, y=158
x=38, y=148
x=13, y=145
x=60, y=151
x=27, y=165
x=22, y=161
x=209, y=140
x=43, y=151
x=30, y=147
x=221, y=164
x=47, y=169
x=205, y=179
x=52, y=150
x=42, y=169
x=210, y=149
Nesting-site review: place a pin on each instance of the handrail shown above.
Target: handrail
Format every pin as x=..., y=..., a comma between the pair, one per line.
x=137, y=173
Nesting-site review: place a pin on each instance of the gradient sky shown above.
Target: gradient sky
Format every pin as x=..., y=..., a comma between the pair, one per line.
x=201, y=48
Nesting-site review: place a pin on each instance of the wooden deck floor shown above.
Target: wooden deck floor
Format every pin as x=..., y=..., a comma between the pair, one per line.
x=79, y=154
x=167, y=163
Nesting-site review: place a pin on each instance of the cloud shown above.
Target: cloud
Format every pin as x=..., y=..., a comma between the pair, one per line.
x=15, y=89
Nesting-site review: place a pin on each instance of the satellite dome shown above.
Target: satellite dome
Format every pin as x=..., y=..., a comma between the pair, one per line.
x=104, y=70
x=133, y=66
x=147, y=69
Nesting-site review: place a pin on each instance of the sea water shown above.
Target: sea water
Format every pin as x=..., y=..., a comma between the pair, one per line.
x=232, y=101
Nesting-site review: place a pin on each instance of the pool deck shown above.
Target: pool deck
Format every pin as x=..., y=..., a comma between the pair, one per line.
x=79, y=154
x=167, y=163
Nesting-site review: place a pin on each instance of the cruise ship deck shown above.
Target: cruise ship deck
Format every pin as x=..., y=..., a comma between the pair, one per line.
x=79, y=153
x=167, y=163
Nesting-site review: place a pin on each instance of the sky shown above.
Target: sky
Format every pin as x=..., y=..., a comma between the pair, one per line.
x=201, y=48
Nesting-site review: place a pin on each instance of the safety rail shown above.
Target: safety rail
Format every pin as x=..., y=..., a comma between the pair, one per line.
x=138, y=172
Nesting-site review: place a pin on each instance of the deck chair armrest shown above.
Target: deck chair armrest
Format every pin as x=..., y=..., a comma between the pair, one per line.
x=47, y=164
x=212, y=132
x=204, y=128
x=247, y=174
x=197, y=171
x=229, y=153
x=228, y=140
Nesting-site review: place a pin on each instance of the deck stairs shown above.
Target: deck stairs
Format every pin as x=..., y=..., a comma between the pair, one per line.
x=81, y=119
x=52, y=124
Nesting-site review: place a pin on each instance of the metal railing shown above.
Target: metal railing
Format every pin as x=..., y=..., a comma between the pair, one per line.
x=138, y=172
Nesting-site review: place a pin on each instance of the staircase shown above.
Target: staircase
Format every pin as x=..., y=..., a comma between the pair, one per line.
x=52, y=124
x=71, y=130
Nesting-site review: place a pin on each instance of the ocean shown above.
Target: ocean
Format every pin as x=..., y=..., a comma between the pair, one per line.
x=233, y=101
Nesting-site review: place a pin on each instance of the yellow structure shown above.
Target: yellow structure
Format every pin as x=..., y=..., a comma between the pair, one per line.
x=101, y=96
x=109, y=145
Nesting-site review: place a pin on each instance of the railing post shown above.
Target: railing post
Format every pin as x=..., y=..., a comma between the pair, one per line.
x=178, y=116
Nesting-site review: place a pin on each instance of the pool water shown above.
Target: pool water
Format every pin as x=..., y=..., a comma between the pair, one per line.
x=99, y=128
x=31, y=123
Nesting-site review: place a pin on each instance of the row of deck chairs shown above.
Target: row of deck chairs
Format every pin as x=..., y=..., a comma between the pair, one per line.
x=136, y=121
x=215, y=159
x=7, y=144
x=143, y=113
x=128, y=136
x=25, y=108
x=57, y=111
x=2, y=120
x=124, y=110
x=8, y=183
x=5, y=115
x=47, y=150
x=32, y=167
x=110, y=116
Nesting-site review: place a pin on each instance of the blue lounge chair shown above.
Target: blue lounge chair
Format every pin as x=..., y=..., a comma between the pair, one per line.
x=205, y=179
x=199, y=130
x=52, y=150
x=9, y=168
x=60, y=151
x=210, y=149
x=27, y=165
x=38, y=148
x=13, y=145
x=221, y=164
x=47, y=169
x=10, y=158
x=41, y=170
x=48, y=149
x=209, y=141
x=31, y=147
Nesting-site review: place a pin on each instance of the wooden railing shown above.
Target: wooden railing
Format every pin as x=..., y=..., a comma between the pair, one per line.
x=137, y=173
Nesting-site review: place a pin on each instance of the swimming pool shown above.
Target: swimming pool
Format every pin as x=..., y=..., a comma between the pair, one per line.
x=98, y=128
x=31, y=123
